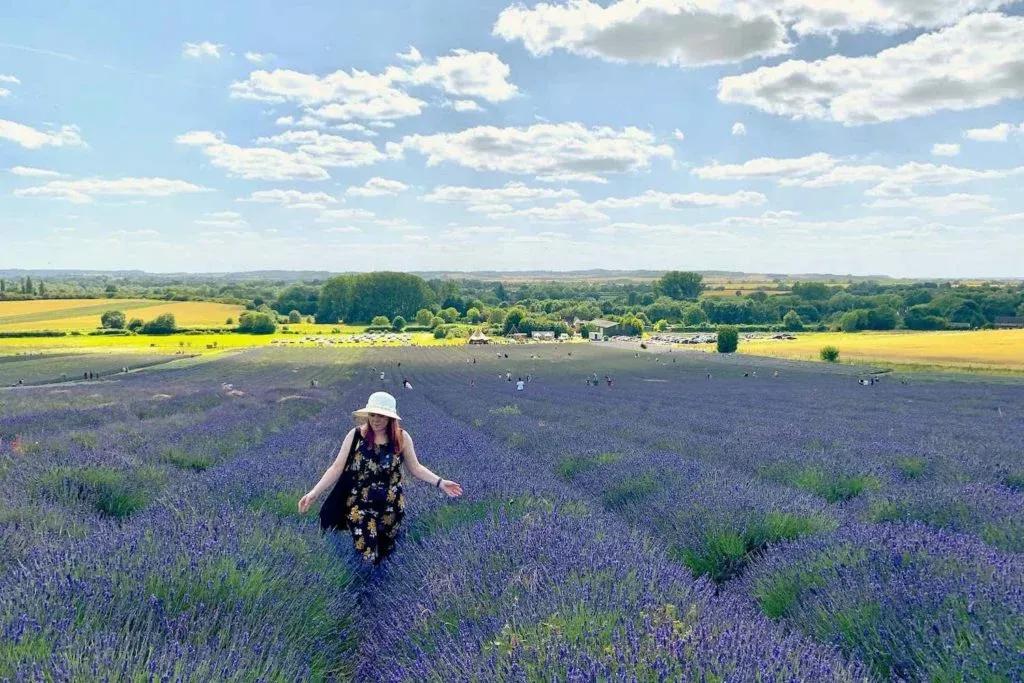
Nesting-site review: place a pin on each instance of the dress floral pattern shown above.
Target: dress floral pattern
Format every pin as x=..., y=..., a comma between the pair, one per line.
x=374, y=499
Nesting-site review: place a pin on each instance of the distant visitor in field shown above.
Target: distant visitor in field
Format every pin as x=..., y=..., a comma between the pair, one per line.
x=368, y=499
x=406, y=383
x=520, y=384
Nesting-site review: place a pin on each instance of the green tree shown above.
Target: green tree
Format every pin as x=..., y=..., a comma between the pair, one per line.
x=661, y=325
x=923, y=317
x=680, y=285
x=854, y=321
x=792, y=321
x=829, y=354
x=694, y=315
x=450, y=314
x=436, y=322
x=335, y=300
x=294, y=317
x=114, y=320
x=728, y=339
x=256, y=322
x=882, y=318
x=27, y=288
x=398, y=324
x=389, y=294
x=301, y=298
x=162, y=324
x=812, y=291
x=135, y=324
x=110, y=290
x=380, y=321
x=423, y=317
x=473, y=315
x=229, y=321
x=631, y=325
x=513, y=317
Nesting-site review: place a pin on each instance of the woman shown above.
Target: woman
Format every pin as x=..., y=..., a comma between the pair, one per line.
x=368, y=499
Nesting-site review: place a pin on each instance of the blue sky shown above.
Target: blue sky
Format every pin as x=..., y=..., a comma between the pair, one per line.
x=869, y=137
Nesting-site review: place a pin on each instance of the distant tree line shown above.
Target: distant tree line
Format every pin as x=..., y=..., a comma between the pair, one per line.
x=677, y=299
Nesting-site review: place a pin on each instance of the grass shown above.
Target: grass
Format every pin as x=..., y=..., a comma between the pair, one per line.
x=832, y=487
x=571, y=466
x=506, y=410
x=724, y=552
x=197, y=462
x=84, y=314
x=629, y=492
x=283, y=504
x=1014, y=481
x=448, y=517
x=912, y=468
x=974, y=350
x=110, y=492
x=19, y=656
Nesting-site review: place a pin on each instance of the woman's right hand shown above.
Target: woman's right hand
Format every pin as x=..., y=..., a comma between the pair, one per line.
x=304, y=503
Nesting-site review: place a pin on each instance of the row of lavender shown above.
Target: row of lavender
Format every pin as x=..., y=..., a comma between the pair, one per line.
x=141, y=540
x=887, y=522
x=559, y=563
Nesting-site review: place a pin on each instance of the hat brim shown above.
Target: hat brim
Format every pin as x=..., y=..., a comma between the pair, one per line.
x=366, y=412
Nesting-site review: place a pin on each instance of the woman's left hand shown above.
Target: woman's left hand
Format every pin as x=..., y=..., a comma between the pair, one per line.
x=451, y=488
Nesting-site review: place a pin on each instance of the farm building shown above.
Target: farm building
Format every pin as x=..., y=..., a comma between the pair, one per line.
x=478, y=337
x=601, y=328
x=542, y=335
x=1010, y=321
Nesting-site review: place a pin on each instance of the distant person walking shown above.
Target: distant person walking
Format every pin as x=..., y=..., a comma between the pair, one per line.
x=368, y=498
x=406, y=383
x=520, y=384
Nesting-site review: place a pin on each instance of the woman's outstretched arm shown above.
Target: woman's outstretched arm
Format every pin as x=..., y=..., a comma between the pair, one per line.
x=412, y=464
x=331, y=475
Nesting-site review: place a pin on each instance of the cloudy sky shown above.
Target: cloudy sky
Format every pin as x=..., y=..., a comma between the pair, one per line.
x=863, y=137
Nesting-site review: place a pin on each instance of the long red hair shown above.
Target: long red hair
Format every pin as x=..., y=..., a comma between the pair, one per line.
x=393, y=431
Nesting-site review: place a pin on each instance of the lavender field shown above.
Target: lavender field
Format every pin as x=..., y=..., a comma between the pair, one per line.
x=686, y=522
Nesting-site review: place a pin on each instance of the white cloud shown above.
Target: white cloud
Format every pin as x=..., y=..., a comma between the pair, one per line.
x=34, y=172
x=665, y=32
x=467, y=231
x=945, y=149
x=327, y=150
x=259, y=57
x=693, y=200
x=30, y=138
x=565, y=151
x=466, y=105
x=575, y=210
x=84, y=191
x=330, y=215
x=356, y=127
x=347, y=96
x=975, y=63
x=886, y=16
x=4, y=78
x=344, y=228
x=494, y=199
x=1008, y=218
x=377, y=187
x=254, y=163
x=899, y=180
x=223, y=219
x=4, y=92
x=739, y=129
x=200, y=50
x=291, y=198
x=413, y=55
x=462, y=73
x=939, y=205
x=355, y=95
x=302, y=122
x=997, y=133
x=678, y=135
x=768, y=167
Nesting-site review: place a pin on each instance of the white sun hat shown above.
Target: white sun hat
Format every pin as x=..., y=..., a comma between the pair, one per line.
x=380, y=403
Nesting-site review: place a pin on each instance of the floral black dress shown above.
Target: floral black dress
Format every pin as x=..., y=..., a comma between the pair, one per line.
x=374, y=503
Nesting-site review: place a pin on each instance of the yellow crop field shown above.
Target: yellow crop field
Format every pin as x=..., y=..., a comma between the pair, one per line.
x=980, y=349
x=84, y=314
